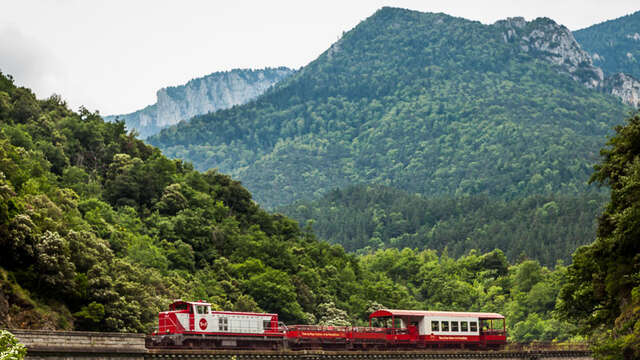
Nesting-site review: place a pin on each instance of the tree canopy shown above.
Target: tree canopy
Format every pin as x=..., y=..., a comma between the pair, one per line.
x=102, y=231
x=602, y=292
x=362, y=218
x=614, y=44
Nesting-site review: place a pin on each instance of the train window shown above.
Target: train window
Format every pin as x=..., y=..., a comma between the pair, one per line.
x=445, y=326
x=464, y=326
x=454, y=326
x=474, y=326
x=266, y=324
x=201, y=309
x=223, y=324
x=434, y=326
x=179, y=306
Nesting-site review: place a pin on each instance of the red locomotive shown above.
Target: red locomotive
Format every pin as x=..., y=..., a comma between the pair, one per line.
x=193, y=324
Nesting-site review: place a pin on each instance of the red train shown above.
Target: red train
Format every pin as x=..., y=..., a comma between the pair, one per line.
x=193, y=324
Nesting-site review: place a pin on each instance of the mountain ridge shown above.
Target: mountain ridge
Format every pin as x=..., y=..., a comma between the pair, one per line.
x=447, y=107
x=219, y=90
x=614, y=44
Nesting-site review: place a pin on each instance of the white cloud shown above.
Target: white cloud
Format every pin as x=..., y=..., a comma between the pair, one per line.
x=29, y=62
x=112, y=55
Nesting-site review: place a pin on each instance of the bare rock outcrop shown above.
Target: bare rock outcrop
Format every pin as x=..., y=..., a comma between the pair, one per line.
x=625, y=87
x=213, y=92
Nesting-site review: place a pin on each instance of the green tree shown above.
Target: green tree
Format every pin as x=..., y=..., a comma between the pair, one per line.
x=10, y=348
x=602, y=292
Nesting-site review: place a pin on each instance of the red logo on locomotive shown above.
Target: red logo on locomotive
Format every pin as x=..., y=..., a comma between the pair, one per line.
x=203, y=323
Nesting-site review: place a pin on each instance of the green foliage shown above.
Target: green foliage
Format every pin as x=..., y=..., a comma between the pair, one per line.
x=525, y=293
x=546, y=228
x=106, y=229
x=92, y=314
x=330, y=315
x=427, y=103
x=10, y=348
x=617, y=43
x=119, y=230
x=602, y=292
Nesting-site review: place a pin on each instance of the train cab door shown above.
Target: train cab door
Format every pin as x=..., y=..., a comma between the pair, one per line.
x=202, y=319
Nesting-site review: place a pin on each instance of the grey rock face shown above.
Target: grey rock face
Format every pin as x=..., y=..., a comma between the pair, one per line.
x=213, y=92
x=554, y=43
x=625, y=87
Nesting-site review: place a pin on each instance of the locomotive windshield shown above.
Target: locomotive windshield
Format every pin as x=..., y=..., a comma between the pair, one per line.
x=179, y=306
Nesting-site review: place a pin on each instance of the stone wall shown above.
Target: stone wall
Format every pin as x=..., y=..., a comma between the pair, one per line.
x=80, y=345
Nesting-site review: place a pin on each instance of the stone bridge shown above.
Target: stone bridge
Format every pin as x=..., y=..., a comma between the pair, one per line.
x=81, y=345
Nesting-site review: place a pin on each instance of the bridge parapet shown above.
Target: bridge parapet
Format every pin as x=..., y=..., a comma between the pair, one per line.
x=80, y=345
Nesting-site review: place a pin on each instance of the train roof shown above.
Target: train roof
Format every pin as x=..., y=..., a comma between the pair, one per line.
x=419, y=313
x=199, y=302
x=202, y=302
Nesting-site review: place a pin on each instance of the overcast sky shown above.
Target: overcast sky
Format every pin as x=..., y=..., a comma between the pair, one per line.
x=113, y=55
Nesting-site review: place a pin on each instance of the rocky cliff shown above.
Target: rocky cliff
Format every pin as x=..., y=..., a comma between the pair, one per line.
x=220, y=90
x=546, y=40
x=625, y=87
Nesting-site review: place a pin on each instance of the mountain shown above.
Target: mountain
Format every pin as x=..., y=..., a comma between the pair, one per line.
x=100, y=231
x=362, y=218
x=614, y=45
x=426, y=103
x=220, y=90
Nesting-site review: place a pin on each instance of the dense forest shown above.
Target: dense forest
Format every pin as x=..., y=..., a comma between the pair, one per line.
x=101, y=231
x=107, y=230
x=362, y=218
x=423, y=102
x=616, y=43
x=602, y=286
x=494, y=147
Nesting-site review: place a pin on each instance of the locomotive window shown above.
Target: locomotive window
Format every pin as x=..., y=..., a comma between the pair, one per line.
x=474, y=326
x=454, y=326
x=179, y=306
x=464, y=326
x=223, y=324
x=202, y=309
x=266, y=324
x=434, y=326
x=445, y=326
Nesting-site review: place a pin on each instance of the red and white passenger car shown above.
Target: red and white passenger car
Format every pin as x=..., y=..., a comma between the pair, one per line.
x=444, y=328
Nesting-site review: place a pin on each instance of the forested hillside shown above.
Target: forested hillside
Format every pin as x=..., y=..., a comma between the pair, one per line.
x=423, y=102
x=614, y=45
x=364, y=218
x=602, y=288
x=100, y=232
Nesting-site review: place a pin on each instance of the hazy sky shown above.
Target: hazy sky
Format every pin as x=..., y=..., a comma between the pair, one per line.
x=113, y=55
